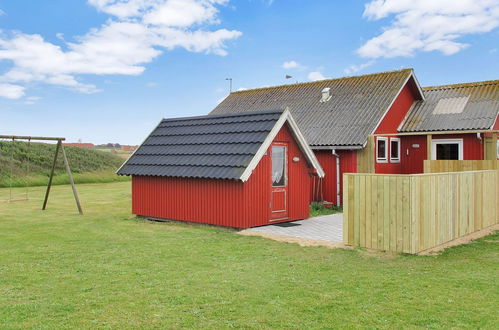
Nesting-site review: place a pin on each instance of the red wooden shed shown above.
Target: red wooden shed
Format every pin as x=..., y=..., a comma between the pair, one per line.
x=235, y=170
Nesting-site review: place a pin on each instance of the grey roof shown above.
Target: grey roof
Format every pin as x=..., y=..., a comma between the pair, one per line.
x=218, y=147
x=471, y=106
x=356, y=106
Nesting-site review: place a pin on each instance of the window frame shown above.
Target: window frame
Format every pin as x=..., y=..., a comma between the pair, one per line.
x=385, y=159
x=395, y=160
x=435, y=142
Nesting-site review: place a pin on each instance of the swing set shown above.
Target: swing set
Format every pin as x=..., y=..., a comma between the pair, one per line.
x=59, y=147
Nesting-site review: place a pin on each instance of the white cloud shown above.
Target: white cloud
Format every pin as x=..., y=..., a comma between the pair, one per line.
x=316, y=75
x=357, y=67
x=140, y=32
x=11, y=91
x=32, y=100
x=183, y=13
x=422, y=25
x=121, y=8
x=291, y=65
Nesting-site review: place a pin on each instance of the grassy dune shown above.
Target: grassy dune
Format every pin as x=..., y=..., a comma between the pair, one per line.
x=22, y=165
x=107, y=269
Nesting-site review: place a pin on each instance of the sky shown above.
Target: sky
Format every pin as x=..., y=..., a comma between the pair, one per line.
x=109, y=70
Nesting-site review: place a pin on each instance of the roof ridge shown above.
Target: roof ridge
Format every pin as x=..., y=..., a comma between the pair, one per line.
x=461, y=85
x=322, y=81
x=228, y=115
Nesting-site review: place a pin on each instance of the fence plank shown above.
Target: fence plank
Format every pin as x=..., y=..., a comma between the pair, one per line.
x=439, y=166
x=411, y=213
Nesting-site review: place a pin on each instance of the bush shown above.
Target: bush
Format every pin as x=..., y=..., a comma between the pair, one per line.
x=317, y=209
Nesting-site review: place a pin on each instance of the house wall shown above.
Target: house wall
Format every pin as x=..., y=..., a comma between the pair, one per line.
x=390, y=124
x=414, y=151
x=327, y=189
x=397, y=111
x=228, y=203
x=472, y=147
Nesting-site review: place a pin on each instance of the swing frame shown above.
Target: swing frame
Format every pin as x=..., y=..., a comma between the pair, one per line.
x=60, y=147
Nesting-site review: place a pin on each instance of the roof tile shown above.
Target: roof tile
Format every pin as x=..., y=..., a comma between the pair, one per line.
x=479, y=112
x=217, y=147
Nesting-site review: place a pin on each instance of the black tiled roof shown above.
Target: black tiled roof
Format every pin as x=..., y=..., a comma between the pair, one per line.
x=216, y=146
x=356, y=106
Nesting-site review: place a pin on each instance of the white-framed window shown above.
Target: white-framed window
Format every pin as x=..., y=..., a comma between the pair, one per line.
x=447, y=149
x=382, y=150
x=497, y=147
x=395, y=150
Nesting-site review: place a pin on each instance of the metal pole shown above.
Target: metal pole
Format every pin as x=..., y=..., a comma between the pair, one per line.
x=230, y=84
x=11, y=170
x=68, y=169
x=59, y=144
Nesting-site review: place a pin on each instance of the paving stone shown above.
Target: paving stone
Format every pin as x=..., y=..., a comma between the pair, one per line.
x=324, y=228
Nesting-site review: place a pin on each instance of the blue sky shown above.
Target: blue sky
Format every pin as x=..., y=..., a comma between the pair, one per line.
x=109, y=70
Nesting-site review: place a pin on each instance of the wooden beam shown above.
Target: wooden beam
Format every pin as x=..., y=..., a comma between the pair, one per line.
x=439, y=133
x=428, y=146
x=39, y=138
x=59, y=144
x=68, y=170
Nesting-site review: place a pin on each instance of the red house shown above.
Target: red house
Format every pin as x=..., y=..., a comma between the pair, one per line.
x=381, y=123
x=235, y=170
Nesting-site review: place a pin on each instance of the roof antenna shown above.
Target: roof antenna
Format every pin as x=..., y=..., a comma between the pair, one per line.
x=230, y=84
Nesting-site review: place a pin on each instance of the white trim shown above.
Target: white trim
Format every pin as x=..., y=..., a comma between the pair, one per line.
x=497, y=147
x=418, y=85
x=402, y=122
x=459, y=142
x=385, y=159
x=300, y=139
x=395, y=160
x=303, y=144
x=140, y=146
x=396, y=97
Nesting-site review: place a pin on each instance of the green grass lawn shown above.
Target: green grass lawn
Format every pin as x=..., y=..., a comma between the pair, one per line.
x=108, y=269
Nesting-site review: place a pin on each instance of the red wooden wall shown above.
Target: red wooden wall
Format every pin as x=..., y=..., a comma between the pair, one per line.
x=228, y=203
x=398, y=110
x=391, y=123
x=348, y=164
x=413, y=158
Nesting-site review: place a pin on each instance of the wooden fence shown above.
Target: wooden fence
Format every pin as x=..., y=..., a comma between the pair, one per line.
x=412, y=213
x=438, y=166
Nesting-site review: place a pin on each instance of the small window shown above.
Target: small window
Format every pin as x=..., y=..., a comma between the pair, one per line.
x=395, y=150
x=497, y=147
x=278, y=166
x=447, y=149
x=382, y=150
